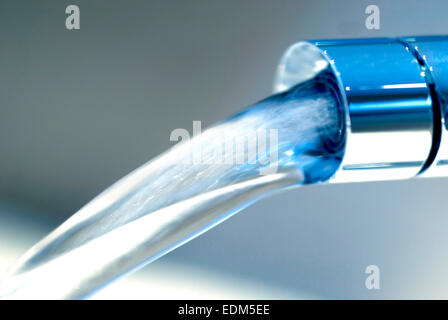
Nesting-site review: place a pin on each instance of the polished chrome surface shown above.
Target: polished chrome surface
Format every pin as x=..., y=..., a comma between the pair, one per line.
x=432, y=51
x=393, y=123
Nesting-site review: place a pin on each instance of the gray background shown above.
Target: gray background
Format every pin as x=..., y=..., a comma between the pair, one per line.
x=80, y=109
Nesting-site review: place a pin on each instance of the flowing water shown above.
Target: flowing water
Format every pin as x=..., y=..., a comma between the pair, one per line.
x=300, y=131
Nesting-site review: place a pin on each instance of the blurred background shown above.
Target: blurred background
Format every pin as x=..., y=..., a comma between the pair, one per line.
x=80, y=109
